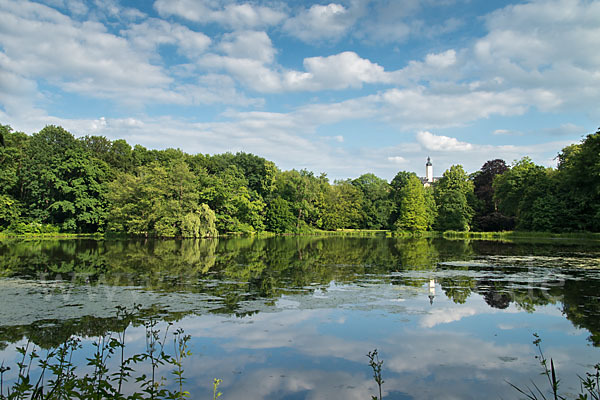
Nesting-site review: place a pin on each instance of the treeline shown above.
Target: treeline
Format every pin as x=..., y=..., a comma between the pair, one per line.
x=51, y=181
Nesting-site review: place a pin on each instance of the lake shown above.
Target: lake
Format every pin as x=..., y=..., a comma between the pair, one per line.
x=294, y=317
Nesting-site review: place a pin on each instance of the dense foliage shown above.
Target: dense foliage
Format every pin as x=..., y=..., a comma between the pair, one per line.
x=51, y=181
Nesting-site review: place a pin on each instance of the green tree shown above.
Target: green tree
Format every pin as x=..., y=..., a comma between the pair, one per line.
x=487, y=217
x=510, y=186
x=579, y=184
x=377, y=206
x=342, y=206
x=63, y=185
x=238, y=209
x=409, y=198
x=431, y=207
x=12, y=154
x=200, y=223
x=528, y=192
x=279, y=216
x=453, y=211
x=159, y=201
x=540, y=208
x=454, y=196
x=9, y=211
x=305, y=193
x=117, y=154
x=483, y=184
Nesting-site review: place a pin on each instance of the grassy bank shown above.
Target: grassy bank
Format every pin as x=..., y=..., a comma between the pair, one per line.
x=353, y=232
x=52, y=235
x=518, y=235
x=450, y=235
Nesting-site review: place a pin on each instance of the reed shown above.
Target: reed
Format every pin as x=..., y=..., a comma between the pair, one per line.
x=57, y=377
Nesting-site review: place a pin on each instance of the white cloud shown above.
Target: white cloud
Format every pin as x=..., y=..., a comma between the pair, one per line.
x=339, y=71
x=113, y=10
x=545, y=45
x=17, y=91
x=250, y=72
x=419, y=108
x=388, y=32
x=237, y=16
x=397, y=160
x=507, y=132
x=151, y=33
x=40, y=42
x=330, y=21
x=76, y=7
x=343, y=70
x=249, y=45
x=352, y=109
x=566, y=130
x=432, y=142
x=448, y=26
x=441, y=60
x=389, y=21
x=436, y=69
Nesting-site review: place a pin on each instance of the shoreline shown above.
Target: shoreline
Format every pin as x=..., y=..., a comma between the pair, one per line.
x=449, y=235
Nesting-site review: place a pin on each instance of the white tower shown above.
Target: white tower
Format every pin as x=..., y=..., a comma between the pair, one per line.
x=429, y=171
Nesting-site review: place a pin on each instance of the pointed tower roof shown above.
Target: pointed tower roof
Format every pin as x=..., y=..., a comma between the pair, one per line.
x=428, y=162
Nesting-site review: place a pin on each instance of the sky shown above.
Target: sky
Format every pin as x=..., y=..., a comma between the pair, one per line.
x=342, y=88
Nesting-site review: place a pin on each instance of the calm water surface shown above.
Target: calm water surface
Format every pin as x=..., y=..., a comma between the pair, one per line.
x=293, y=318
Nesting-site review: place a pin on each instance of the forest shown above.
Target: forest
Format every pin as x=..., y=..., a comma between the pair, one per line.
x=53, y=182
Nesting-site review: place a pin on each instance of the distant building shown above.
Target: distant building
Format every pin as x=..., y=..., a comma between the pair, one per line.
x=429, y=179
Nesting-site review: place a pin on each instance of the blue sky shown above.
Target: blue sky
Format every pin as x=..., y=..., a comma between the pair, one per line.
x=344, y=87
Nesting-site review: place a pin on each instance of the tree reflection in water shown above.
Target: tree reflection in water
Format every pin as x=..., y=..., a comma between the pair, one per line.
x=232, y=272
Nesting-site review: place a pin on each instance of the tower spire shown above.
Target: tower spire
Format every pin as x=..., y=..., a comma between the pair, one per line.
x=429, y=171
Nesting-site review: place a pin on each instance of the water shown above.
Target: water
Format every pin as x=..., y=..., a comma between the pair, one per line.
x=293, y=318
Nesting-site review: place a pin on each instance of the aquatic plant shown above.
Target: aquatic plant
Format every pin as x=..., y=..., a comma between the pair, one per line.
x=216, y=393
x=376, y=364
x=590, y=384
x=56, y=378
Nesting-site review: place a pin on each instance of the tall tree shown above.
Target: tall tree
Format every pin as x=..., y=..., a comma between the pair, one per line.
x=411, y=209
x=342, y=206
x=63, y=185
x=376, y=205
x=9, y=211
x=529, y=193
x=159, y=201
x=430, y=206
x=579, y=183
x=483, y=184
x=238, y=208
x=487, y=217
x=454, y=196
x=12, y=156
x=454, y=212
x=279, y=217
x=305, y=193
x=117, y=154
x=510, y=186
